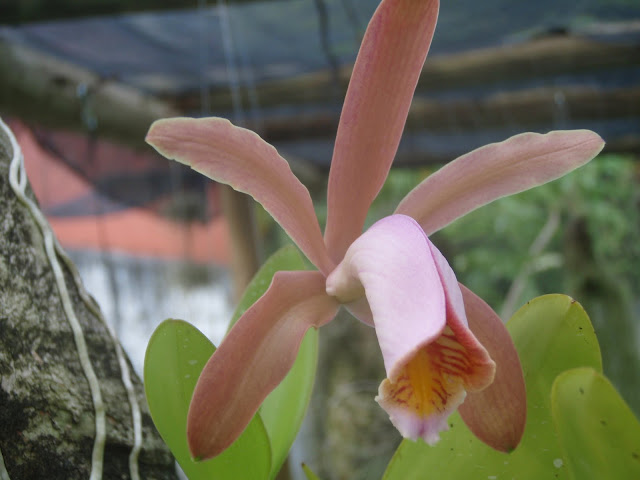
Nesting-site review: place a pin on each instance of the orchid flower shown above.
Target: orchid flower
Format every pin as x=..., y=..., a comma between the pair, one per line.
x=440, y=342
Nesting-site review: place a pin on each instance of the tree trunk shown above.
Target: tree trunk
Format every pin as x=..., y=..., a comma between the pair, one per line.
x=70, y=404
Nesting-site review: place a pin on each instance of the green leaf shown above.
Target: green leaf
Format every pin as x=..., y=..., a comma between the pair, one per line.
x=310, y=475
x=176, y=354
x=597, y=432
x=552, y=334
x=284, y=409
x=287, y=258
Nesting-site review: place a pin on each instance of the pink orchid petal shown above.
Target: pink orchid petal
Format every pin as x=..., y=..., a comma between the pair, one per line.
x=241, y=159
x=496, y=170
x=361, y=310
x=255, y=356
x=480, y=370
x=392, y=263
x=384, y=78
x=497, y=414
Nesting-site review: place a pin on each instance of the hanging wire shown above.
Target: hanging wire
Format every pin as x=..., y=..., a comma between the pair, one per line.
x=354, y=21
x=4, y=475
x=332, y=58
x=247, y=77
x=229, y=57
x=245, y=229
x=90, y=121
x=237, y=74
x=203, y=57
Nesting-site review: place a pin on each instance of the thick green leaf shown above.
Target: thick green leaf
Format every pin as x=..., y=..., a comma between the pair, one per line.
x=552, y=334
x=287, y=258
x=176, y=354
x=284, y=409
x=309, y=474
x=598, y=433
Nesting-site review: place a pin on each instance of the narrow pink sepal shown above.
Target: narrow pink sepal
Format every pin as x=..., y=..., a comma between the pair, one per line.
x=497, y=414
x=253, y=359
x=391, y=263
x=241, y=159
x=382, y=84
x=497, y=170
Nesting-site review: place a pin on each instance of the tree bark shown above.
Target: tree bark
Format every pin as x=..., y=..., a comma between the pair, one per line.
x=50, y=415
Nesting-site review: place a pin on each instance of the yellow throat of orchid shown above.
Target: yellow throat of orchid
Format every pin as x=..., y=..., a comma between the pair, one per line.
x=432, y=378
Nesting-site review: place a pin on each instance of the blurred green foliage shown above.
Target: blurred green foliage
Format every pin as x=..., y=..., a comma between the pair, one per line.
x=603, y=197
x=176, y=354
x=578, y=235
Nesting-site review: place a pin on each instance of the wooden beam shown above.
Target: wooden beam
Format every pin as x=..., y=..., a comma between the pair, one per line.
x=538, y=58
x=20, y=11
x=245, y=246
x=50, y=92
x=420, y=154
x=528, y=109
x=504, y=65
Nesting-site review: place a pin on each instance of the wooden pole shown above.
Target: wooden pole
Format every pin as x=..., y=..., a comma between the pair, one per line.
x=503, y=65
x=238, y=210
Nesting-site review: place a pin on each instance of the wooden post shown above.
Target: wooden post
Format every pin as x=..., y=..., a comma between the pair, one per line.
x=238, y=211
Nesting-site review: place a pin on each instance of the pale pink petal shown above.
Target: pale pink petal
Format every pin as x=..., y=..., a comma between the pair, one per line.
x=254, y=357
x=392, y=264
x=497, y=414
x=480, y=368
x=241, y=159
x=496, y=170
x=361, y=310
x=375, y=110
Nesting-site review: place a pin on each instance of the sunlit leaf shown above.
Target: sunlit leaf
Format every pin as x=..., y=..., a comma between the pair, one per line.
x=284, y=409
x=310, y=475
x=597, y=432
x=552, y=334
x=175, y=356
x=287, y=258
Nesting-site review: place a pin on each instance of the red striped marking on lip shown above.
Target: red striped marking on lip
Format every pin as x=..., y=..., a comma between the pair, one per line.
x=434, y=375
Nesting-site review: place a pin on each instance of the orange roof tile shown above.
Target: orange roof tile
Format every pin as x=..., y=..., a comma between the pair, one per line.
x=136, y=231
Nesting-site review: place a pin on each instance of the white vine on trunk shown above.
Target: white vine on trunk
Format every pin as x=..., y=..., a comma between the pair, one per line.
x=53, y=250
x=4, y=475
